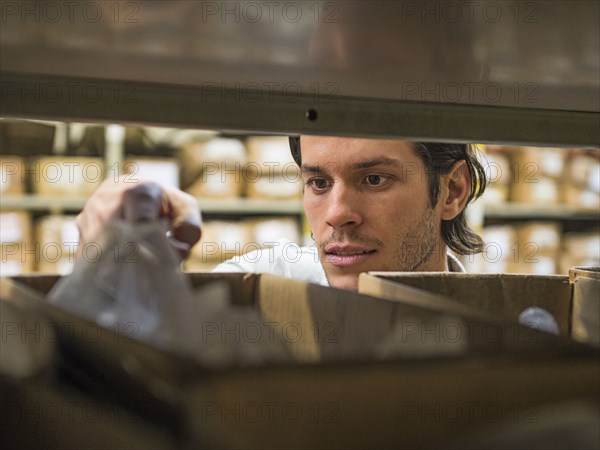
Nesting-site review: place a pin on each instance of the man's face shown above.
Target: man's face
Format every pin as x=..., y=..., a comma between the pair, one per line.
x=367, y=202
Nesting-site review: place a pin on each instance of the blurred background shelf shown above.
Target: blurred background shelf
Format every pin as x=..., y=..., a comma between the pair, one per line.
x=179, y=92
x=523, y=211
x=208, y=206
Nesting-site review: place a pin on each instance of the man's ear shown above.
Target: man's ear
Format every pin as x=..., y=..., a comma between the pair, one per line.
x=456, y=187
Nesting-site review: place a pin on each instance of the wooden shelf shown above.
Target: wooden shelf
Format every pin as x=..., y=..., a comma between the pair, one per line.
x=532, y=211
x=34, y=202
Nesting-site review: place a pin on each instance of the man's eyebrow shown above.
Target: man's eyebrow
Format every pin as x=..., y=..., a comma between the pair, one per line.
x=311, y=169
x=383, y=160
x=365, y=164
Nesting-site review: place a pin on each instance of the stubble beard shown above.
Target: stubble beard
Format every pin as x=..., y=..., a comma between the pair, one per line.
x=417, y=245
x=416, y=248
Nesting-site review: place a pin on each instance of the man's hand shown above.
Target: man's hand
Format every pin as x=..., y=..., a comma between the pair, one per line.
x=141, y=201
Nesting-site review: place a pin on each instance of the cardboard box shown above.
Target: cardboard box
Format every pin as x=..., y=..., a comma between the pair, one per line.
x=585, y=325
x=334, y=394
x=12, y=175
x=500, y=295
x=333, y=325
x=57, y=176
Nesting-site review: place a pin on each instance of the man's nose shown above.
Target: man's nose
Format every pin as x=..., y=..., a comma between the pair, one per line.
x=343, y=207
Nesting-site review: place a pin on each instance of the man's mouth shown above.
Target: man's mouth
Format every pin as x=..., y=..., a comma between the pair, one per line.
x=344, y=256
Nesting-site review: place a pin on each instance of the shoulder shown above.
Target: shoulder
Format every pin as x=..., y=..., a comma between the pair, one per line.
x=284, y=258
x=454, y=265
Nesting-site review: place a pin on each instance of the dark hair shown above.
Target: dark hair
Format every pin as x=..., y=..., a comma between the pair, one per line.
x=438, y=159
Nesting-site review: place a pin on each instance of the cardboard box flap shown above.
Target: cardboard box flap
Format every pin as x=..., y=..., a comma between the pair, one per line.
x=97, y=356
x=346, y=404
x=326, y=324
x=375, y=284
x=496, y=294
x=585, y=320
x=321, y=323
x=388, y=405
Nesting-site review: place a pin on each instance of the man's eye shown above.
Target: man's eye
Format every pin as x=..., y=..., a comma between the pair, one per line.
x=375, y=180
x=318, y=184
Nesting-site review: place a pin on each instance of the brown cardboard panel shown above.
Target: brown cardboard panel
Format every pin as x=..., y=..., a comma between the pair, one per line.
x=321, y=323
x=376, y=404
x=506, y=294
x=586, y=304
x=108, y=362
x=39, y=414
x=398, y=405
x=354, y=326
x=243, y=286
x=376, y=284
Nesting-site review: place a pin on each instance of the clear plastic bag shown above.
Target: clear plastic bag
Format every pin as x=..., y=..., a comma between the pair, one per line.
x=131, y=278
x=130, y=275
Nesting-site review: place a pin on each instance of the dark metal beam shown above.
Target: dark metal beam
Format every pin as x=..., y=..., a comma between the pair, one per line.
x=209, y=106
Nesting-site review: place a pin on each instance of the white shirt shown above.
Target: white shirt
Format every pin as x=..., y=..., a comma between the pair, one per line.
x=288, y=259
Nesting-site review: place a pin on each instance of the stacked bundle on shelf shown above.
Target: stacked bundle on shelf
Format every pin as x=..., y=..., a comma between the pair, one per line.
x=497, y=166
x=272, y=173
x=57, y=238
x=66, y=175
x=12, y=175
x=530, y=248
x=262, y=168
x=224, y=239
x=214, y=168
x=582, y=182
x=538, y=247
x=18, y=249
x=580, y=249
x=541, y=175
x=536, y=174
x=163, y=170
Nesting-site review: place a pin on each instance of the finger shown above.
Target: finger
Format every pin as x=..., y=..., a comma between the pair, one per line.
x=185, y=216
x=182, y=249
x=142, y=203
